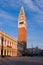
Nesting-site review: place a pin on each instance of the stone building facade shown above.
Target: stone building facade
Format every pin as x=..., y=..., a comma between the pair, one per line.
x=8, y=45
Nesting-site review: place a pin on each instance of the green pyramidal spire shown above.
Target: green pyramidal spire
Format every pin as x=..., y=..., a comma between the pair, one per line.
x=22, y=11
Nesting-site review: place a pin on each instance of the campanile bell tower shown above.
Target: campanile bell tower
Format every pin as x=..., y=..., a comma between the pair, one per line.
x=22, y=27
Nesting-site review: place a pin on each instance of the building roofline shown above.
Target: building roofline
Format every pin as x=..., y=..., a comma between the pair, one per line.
x=3, y=33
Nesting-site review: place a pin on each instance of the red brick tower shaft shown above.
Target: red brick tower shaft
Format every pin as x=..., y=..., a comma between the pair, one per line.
x=22, y=27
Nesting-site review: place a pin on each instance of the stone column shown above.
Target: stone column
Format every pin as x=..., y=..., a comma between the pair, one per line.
x=11, y=52
x=6, y=52
x=3, y=51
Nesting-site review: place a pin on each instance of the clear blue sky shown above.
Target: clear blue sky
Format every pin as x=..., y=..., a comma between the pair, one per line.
x=9, y=11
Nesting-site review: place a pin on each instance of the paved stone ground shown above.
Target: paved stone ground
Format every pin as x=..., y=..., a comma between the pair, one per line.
x=21, y=61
